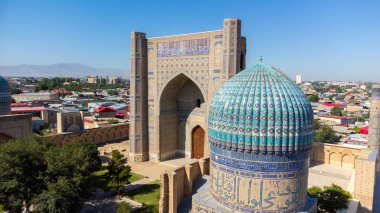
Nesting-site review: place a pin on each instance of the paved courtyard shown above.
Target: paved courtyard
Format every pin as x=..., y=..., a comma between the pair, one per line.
x=122, y=146
x=326, y=174
x=148, y=169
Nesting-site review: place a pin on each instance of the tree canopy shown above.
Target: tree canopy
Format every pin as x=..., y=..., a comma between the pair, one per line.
x=73, y=84
x=118, y=170
x=336, y=111
x=123, y=208
x=22, y=176
x=325, y=134
x=330, y=198
x=356, y=129
x=314, y=98
x=316, y=125
x=51, y=178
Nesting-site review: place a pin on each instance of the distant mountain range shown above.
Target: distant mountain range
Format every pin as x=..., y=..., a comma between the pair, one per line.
x=60, y=70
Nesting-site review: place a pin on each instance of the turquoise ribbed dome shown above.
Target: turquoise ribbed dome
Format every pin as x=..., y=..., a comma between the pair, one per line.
x=5, y=96
x=260, y=110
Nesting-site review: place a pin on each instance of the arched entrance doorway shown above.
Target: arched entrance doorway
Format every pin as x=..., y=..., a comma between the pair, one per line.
x=178, y=100
x=198, y=142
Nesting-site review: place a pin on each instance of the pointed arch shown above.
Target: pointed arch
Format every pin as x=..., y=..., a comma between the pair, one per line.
x=178, y=99
x=180, y=76
x=197, y=142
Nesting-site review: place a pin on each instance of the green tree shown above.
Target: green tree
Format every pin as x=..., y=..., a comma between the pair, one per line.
x=112, y=92
x=22, y=175
x=314, y=191
x=325, y=134
x=61, y=196
x=356, y=129
x=68, y=176
x=330, y=198
x=113, y=121
x=316, y=125
x=365, y=116
x=123, y=208
x=336, y=111
x=314, y=98
x=118, y=170
x=75, y=161
x=50, y=177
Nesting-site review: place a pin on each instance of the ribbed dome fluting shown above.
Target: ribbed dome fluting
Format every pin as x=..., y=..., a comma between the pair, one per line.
x=260, y=110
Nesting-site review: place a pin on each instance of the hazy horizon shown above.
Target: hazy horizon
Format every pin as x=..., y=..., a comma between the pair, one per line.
x=319, y=39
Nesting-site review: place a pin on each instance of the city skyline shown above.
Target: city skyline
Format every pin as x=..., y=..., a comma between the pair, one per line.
x=320, y=40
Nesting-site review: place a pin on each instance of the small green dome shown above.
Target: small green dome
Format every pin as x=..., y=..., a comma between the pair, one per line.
x=5, y=96
x=261, y=110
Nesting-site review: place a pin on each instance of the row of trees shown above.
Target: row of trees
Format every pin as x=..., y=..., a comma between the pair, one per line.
x=57, y=83
x=53, y=83
x=49, y=177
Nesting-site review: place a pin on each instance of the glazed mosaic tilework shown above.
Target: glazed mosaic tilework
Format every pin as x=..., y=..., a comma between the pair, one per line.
x=260, y=133
x=261, y=110
x=184, y=48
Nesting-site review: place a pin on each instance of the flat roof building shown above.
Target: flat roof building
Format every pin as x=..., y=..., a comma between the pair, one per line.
x=35, y=96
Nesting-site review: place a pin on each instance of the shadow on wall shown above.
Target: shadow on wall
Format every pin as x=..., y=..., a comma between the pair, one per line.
x=178, y=184
x=4, y=138
x=186, y=203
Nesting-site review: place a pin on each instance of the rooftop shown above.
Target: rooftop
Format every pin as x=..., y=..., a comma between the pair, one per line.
x=36, y=93
x=336, y=117
x=27, y=109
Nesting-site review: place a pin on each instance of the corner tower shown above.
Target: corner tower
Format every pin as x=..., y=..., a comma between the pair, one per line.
x=138, y=131
x=374, y=120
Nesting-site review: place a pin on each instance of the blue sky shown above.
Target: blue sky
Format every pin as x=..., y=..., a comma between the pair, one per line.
x=319, y=39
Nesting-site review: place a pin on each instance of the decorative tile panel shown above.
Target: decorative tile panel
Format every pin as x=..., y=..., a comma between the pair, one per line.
x=183, y=48
x=196, y=67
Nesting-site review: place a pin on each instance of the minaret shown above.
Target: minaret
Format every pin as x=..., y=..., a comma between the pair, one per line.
x=138, y=129
x=232, y=47
x=374, y=119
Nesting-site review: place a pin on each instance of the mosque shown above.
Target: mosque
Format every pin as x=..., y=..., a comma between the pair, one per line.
x=190, y=98
x=251, y=129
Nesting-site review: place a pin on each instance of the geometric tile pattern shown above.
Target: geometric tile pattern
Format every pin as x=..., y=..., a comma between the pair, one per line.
x=195, y=67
